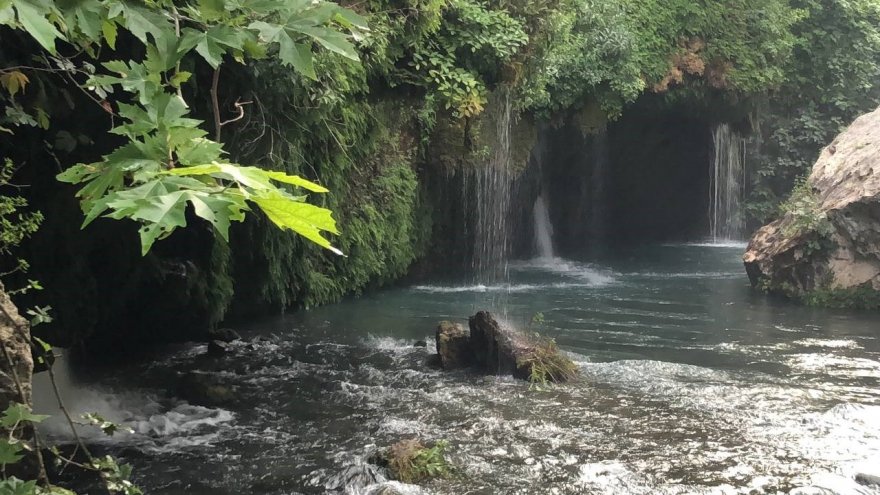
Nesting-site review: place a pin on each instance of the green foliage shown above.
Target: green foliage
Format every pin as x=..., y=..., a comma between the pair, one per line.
x=474, y=40
x=412, y=462
x=16, y=224
x=803, y=208
x=167, y=163
x=833, y=77
x=19, y=418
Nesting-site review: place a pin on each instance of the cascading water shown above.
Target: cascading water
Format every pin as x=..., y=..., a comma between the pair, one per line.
x=727, y=187
x=492, y=204
x=543, y=229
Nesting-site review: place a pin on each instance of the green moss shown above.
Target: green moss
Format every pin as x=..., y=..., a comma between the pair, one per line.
x=861, y=297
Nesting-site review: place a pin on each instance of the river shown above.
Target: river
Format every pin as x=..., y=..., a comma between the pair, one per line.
x=691, y=383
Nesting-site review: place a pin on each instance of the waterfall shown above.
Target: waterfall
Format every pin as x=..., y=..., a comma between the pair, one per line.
x=492, y=203
x=727, y=187
x=543, y=229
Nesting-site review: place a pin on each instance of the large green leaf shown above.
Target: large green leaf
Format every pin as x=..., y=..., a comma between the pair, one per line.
x=32, y=14
x=10, y=453
x=17, y=414
x=305, y=219
x=214, y=43
x=296, y=181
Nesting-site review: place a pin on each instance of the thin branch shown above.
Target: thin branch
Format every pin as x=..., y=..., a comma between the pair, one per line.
x=214, y=103
x=240, y=107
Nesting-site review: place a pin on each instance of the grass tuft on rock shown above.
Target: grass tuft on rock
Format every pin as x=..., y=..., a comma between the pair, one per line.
x=545, y=363
x=410, y=461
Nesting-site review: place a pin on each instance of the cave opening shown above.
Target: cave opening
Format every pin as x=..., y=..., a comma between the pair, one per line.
x=650, y=176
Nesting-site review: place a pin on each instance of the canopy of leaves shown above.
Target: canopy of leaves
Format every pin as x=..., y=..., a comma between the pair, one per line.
x=167, y=163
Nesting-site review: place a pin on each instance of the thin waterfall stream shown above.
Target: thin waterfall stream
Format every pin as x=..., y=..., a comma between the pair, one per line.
x=543, y=229
x=492, y=201
x=727, y=187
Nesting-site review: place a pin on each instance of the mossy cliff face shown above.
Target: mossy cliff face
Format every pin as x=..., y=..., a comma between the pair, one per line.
x=825, y=250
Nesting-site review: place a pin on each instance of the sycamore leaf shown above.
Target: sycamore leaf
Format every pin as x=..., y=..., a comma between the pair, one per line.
x=213, y=43
x=142, y=22
x=88, y=15
x=14, y=81
x=10, y=453
x=291, y=53
x=17, y=414
x=331, y=39
x=305, y=219
x=161, y=215
x=32, y=14
x=108, y=29
x=7, y=14
x=296, y=181
x=219, y=209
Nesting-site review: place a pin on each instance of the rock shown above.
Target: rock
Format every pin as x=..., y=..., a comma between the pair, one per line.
x=15, y=337
x=16, y=370
x=223, y=335
x=868, y=479
x=420, y=343
x=217, y=348
x=453, y=346
x=827, y=249
x=204, y=389
x=496, y=350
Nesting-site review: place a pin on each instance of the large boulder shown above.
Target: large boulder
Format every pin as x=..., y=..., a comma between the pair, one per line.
x=16, y=363
x=826, y=247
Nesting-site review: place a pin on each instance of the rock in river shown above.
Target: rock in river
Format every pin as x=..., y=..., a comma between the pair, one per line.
x=825, y=249
x=500, y=350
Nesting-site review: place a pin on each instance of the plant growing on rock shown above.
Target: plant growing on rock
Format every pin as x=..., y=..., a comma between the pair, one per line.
x=546, y=363
x=410, y=461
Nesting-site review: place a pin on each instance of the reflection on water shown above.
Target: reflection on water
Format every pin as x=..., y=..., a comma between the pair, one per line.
x=691, y=384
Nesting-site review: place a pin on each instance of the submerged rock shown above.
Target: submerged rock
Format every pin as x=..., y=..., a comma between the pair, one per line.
x=204, y=389
x=223, y=335
x=825, y=250
x=453, y=346
x=499, y=350
x=217, y=348
x=868, y=479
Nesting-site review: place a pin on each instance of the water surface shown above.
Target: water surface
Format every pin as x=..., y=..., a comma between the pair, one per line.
x=691, y=383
